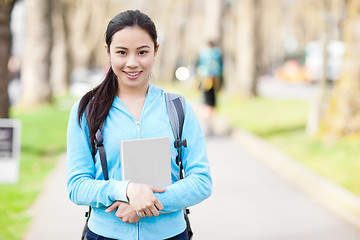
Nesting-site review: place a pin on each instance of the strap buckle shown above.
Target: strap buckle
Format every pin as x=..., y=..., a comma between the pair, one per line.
x=179, y=144
x=98, y=143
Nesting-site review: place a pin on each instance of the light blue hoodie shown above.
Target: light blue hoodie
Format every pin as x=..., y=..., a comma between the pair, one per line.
x=85, y=180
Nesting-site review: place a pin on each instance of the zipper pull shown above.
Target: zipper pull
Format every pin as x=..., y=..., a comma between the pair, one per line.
x=138, y=126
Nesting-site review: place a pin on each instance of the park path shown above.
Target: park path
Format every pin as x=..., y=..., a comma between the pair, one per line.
x=252, y=202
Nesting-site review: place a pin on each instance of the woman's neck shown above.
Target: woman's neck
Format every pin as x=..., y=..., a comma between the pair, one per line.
x=133, y=100
x=133, y=92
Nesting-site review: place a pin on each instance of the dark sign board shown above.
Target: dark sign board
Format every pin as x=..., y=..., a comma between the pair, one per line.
x=9, y=150
x=6, y=142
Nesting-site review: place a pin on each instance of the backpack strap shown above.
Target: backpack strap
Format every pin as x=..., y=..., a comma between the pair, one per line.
x=176, y=109
x=99, y=146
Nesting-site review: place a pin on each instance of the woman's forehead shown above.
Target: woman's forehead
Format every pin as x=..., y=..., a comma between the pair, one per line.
x=132, y=37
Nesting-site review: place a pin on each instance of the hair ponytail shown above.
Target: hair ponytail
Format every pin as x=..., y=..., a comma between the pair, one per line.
x=100, y=100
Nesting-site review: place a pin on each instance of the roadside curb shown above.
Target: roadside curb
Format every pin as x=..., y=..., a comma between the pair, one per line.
x=342, y=202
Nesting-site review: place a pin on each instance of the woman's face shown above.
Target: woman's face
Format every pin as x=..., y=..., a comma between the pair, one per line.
x=132, y=55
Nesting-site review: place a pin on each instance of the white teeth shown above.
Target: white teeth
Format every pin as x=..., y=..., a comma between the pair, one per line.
x=133, y=74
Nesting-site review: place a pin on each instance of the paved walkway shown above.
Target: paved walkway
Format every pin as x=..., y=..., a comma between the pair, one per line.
x=249, y=202
x=54, y=211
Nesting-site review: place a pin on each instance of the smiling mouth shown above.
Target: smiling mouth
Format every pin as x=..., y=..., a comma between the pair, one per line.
x=133, y=75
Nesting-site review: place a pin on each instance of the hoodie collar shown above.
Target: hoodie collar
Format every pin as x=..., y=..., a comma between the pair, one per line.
x=153, y=90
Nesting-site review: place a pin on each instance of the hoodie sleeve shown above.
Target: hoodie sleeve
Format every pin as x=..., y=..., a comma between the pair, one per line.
x=197, y=184
x=84, y=186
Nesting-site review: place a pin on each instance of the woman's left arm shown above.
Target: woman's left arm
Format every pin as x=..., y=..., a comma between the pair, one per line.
x=197, y=184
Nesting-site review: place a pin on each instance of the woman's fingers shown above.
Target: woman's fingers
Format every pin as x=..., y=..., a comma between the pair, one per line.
x=113, y=207
x=158, y=189
x=148, y=212
x=142, y=198
x=158, y=205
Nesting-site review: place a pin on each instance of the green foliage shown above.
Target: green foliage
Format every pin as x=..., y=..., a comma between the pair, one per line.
x=43, y=138
x=264, y=117
x=283, y=123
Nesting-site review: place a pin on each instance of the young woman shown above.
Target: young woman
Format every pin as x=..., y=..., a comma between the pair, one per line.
x=131, y=108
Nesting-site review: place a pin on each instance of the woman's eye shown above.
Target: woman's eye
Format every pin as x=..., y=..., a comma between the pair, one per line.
x=121, y=52
x=142, y=52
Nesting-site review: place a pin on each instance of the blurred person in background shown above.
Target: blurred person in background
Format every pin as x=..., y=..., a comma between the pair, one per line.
x=132, y=108
x=209, y=72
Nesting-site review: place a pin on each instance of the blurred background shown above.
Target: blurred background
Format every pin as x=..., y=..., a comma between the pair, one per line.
x=291, y=72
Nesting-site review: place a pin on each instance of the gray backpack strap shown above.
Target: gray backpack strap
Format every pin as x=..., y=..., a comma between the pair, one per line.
x=176, y=109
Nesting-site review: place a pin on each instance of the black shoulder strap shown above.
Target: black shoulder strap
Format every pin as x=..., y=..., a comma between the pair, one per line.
x=176, y=109
x=99, y=145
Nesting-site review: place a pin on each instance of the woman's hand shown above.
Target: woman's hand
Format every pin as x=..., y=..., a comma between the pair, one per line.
x=142, y=199
x=125, y=212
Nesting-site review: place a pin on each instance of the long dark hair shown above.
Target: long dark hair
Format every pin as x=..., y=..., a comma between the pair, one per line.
x=101, y=97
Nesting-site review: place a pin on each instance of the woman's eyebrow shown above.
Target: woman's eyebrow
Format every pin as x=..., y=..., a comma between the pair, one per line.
x=143, y=46
x=120, y=47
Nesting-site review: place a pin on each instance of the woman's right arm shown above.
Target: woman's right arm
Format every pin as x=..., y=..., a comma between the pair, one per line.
x=82, y=187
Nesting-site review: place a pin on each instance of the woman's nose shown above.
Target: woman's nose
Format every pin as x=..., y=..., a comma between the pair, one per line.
x=132, y=61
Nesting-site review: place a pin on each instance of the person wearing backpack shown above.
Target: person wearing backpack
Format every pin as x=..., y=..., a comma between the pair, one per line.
x=209, y=71
x=126, y=106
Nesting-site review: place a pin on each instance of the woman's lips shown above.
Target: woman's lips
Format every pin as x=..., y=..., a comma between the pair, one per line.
x=133, y=75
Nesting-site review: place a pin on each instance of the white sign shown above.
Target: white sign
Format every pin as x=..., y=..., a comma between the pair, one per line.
x=10, y=130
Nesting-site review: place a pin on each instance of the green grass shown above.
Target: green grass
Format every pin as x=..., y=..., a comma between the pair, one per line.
x=283, y=124
x=339, y=162
x=43, y=138
x=264, y=117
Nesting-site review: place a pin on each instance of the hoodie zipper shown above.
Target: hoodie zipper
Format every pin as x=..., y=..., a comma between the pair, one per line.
x=138, y=128
x=138, y=230
x=141, y=115
x=137, y=122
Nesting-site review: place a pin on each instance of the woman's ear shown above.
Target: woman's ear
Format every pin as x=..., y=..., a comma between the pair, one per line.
x=156, y=50
x=107, y=50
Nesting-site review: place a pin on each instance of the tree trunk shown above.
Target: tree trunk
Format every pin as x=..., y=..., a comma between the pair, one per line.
x=247, y=47
x=172, y=47
x=213, y=9
x=318, y=104
x=59, y=74
x=85, y=25
x=5, y=43
x=229, y=44
x=343, y=115
x=36, y=62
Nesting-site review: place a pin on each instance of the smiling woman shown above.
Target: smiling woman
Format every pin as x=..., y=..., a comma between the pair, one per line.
x=125, y=106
